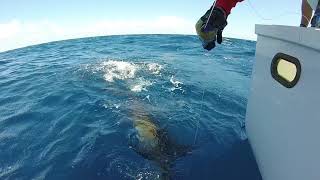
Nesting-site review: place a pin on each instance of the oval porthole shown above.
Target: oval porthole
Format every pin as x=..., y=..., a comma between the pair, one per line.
x=286, y=69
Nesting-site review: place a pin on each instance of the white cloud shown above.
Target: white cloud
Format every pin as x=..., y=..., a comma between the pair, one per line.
x=16, y=34
x=8, y=30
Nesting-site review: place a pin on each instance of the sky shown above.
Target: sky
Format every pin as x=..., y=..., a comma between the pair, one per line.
x=24, y=23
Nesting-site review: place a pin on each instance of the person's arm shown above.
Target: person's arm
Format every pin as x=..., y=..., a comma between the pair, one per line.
x=227, y=5
x=306, y=13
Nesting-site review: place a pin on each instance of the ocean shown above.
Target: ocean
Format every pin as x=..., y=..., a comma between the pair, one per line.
x=68, y=109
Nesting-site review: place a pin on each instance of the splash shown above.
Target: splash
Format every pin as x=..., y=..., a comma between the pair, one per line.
x=177, y=84
x=118, y=70
x=137, y=76
x=123, y=70
x=140, y=85
x=155, y=68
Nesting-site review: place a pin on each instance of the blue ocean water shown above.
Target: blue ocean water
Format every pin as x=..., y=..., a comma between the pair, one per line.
x=67, y=108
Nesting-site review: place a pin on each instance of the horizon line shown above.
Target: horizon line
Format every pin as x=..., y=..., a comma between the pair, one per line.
x=108, y=35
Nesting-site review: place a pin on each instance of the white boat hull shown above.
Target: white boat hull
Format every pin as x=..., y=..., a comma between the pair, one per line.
x=283, y=123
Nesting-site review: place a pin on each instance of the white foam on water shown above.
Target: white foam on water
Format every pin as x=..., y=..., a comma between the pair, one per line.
x=111, y=105
x=155, y=68
x=125, y=70
x=118, y=70
x=177, y=84
x=136, y=75
x=148, y=98
x=6, y=170
x=140, y=85
x=117, y=106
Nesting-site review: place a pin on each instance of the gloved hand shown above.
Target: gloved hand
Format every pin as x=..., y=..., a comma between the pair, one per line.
x=210, y=26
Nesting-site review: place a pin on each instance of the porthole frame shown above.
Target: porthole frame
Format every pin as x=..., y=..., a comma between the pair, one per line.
x=274, y=72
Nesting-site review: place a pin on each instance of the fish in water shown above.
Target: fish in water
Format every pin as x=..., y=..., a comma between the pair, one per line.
x=153, y=143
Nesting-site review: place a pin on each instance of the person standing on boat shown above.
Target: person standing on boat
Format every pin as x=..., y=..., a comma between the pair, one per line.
x=306, y=9
x=210, y=26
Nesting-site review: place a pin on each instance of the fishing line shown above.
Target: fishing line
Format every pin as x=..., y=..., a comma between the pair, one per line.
x=198, y=122
x=214, y=4
x=262, y=17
